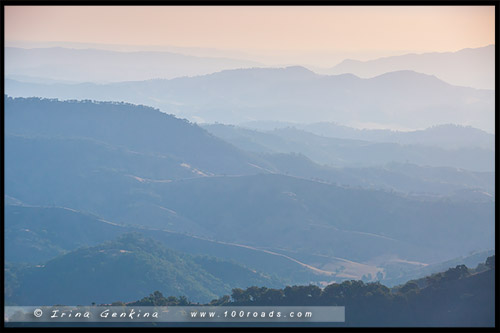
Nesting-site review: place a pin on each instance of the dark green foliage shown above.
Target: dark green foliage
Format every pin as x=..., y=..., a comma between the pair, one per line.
x=459, y=297
x=455, y=297
x=157, y=299
x=397, y=274
x=490, y=262
x=121, y=270
x=408, y=287
x=37, y=234
x=224, y=300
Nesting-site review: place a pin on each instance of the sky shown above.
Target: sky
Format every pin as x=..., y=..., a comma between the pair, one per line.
x=311, y=33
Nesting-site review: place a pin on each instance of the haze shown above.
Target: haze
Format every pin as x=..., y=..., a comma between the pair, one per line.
x=314, y=35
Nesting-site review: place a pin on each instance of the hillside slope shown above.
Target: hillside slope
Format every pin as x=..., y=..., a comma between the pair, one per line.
x=125, y=269
x=397, y=99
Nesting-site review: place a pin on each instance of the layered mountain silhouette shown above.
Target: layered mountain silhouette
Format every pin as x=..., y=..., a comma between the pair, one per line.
x=96, y=65
x=449, y=136
x=471, y=67
x=402, y=98
x=136, y=166
x=351, y=152
x=125, y=269
x=37, y=234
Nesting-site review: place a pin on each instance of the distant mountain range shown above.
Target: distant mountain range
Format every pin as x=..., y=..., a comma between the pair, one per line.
x=80, y=174
x=472, y=67
x=136, y=166
x=53, y=62
x=294, y=94
x=280, y=209
x=261, y=186
x=421, y=148
x=447, y=136
x=95, y=65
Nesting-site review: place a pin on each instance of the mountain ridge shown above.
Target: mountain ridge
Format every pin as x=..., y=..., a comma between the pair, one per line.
x=99, y=270
x=452, y=67
x=62, y=63
x=291, y=94
x=315, y=220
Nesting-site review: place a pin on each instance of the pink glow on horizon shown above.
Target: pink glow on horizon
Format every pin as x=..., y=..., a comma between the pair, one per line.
x=257, y=28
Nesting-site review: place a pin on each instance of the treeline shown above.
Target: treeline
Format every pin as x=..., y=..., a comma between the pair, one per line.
x=457, y=297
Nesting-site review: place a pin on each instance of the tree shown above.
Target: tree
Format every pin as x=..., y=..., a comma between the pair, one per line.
x=490, y=262
x=298, y=295
x=409, y=286
x=272, y=297
x=456, y=273
x=224, y=300
x=183, y=300
x=240, y=296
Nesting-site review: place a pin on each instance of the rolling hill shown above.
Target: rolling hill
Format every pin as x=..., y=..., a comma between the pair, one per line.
x=467, y=67
x=448, y=136
x=135, y=128
x=133, y=166
x=401, y=98
x=354, y=153
x=96, y=65
x=125, y=269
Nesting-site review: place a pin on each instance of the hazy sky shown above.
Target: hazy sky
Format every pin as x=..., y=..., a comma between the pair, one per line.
x=261, y=29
